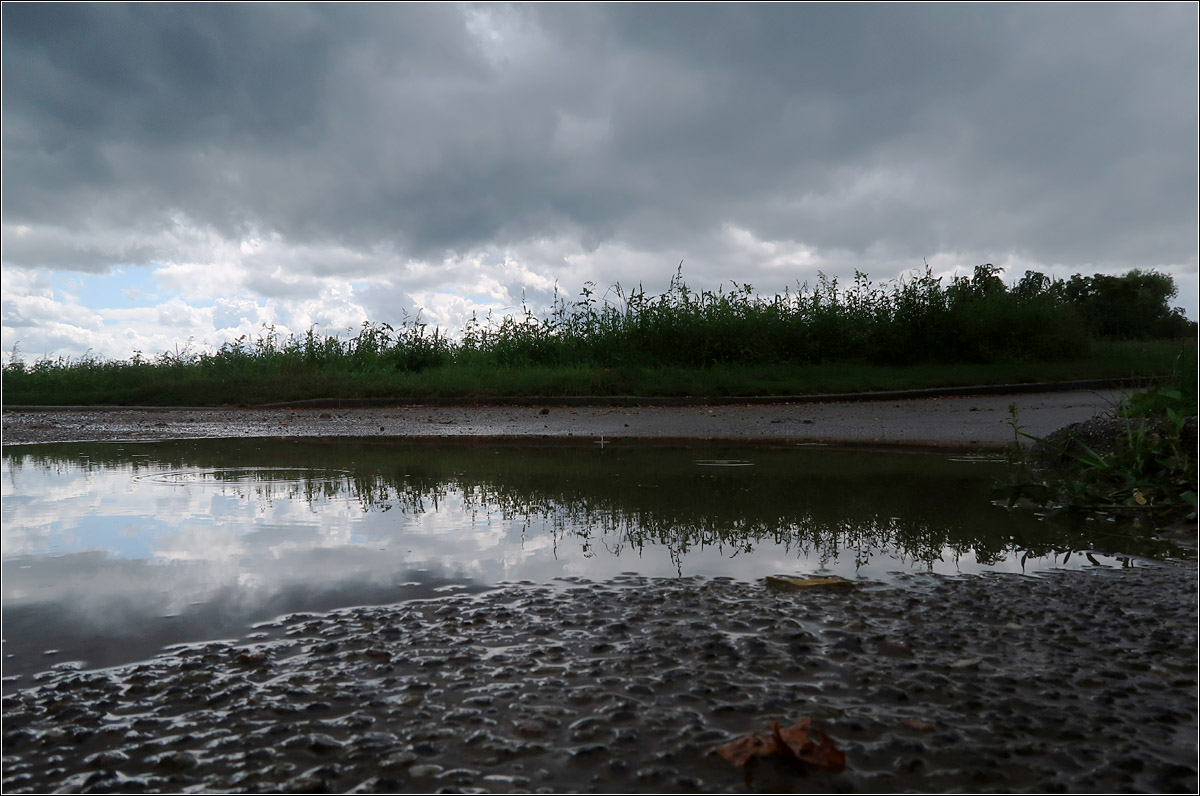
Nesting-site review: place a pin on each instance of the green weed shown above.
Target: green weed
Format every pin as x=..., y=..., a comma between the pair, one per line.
x=1140, y=473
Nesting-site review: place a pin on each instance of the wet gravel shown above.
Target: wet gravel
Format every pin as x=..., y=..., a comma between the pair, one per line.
x=1072, y=681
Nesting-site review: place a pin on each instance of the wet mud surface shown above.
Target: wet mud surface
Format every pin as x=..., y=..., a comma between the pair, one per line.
x=1070, y=682
x=980, y=421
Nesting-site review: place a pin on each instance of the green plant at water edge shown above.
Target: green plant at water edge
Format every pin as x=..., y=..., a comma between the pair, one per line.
x=1142, y=474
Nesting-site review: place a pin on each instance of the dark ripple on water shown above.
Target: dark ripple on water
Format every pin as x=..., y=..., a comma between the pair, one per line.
x=1080, y=681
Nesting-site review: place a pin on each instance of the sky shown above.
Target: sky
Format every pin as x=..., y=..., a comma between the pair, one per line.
x=179, y=175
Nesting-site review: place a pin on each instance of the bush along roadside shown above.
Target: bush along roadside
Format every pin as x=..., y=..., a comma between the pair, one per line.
x=1138, y=464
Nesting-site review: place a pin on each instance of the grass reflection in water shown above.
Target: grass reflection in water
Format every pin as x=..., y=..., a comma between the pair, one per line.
x=819, y=505
x=114, y=551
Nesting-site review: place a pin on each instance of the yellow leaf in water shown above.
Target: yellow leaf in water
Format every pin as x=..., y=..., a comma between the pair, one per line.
x=1140, y=498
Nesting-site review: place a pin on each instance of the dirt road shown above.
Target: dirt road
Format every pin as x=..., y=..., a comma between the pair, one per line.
x=980, y=421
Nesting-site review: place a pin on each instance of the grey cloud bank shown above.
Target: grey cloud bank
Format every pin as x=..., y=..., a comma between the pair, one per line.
x=416, y=149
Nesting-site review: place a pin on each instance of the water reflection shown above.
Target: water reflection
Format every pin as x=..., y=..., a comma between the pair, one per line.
x=111, y=551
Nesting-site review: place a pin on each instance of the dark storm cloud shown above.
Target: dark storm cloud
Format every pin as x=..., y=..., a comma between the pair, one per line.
x=1065, y=132
x=1055, y=129
x=219, y=111
x=113, y=102
x=55, y=251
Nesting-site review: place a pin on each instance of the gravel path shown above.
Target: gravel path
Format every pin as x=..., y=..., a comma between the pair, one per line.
x=980, y=421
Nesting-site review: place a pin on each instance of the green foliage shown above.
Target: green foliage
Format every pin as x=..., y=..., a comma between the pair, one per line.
x=915, y=322
x=1133, y=306
x=1143, y=475
x=1178, y=394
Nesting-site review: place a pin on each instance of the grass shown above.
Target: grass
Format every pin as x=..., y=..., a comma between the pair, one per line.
x=1146, y=471
x=824, y=338
x=151, y=384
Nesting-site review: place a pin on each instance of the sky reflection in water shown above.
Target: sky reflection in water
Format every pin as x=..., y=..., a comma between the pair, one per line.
x=111, y=551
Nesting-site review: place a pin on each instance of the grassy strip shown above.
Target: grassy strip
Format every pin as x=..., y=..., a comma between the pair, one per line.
x=190, y=384
x=820, y=339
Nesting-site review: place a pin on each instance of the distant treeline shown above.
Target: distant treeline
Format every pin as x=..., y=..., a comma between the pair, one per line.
x=973, y=319
x=977, y=319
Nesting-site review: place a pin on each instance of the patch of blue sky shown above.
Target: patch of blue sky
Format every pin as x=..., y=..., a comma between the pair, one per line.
x=128, y=536
x=121, y=288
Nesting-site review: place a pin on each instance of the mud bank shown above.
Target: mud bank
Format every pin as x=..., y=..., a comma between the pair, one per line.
x=1070, y=682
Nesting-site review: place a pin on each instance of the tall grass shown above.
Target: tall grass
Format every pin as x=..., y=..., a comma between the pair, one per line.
x=974, y=319
x=614, y=343
x=915, y=321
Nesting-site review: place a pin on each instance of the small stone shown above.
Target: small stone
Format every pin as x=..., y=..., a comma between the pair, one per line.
x=375, y=741
x=895, y=649
x=399, y=760
x=425, y=748
x=324, y=744
x=178, y=761
x=512, y=780
x=108, y=759
x=589, y=750
x=530, y=729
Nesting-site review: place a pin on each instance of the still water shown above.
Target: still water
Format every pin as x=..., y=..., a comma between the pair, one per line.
x=112, y=551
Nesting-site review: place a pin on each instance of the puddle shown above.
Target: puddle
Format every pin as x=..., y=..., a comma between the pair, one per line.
x=113, y=551
x=245, y=475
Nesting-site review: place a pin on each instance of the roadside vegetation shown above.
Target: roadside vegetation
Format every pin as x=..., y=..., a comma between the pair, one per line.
x=819, y=338
x=1140, y=464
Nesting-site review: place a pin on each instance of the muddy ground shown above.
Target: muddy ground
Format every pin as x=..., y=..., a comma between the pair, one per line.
x=1073, y=681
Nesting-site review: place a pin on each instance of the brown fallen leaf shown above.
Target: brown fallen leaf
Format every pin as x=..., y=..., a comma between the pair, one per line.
x=793, y=745
x=739, y=751
x=796, y=734
x=796, y=741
